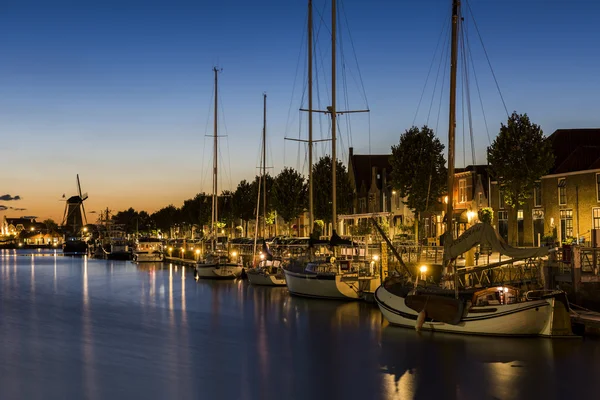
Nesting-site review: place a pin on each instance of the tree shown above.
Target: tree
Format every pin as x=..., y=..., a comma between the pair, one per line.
x=289, y=194
x=244, y=203
x=51, y=226
x=418, y=170
x=322, y=189
x=166, y=217
x=518, y=157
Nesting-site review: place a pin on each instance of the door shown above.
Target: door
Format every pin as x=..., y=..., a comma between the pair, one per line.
x=520, y=228
x=538, y=226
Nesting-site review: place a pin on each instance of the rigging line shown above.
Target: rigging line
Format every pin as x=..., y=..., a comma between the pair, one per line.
x=487, y=58
x=341, y=142
x=301, y=47
x=210, y=105
x=444, y=29
x=364, y=93
x=462, y=109
x=443, y=61
x=472, y=63
x=442, y=94
x=468, y=90
x=345, y=87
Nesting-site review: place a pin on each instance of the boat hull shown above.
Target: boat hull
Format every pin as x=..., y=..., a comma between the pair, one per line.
x=325, y=286
x=529, y=318
x=218, y=271
x=261, y=278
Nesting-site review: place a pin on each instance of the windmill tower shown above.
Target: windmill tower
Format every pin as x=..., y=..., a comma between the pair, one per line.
x=74, y=218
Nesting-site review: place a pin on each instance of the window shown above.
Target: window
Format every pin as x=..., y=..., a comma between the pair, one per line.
x=566, y=224
x=537, y=194
x=501, y=199
x=480, y=201
x=562, y=191
x=503, y=224
x=596, y=218
x=519, y=214
x=462, y=191
x=598, y=187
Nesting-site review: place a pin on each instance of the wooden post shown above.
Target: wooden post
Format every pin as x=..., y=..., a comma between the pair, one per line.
x=576, y=270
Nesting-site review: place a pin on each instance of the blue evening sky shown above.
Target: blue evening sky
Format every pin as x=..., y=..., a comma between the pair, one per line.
x=120, y=92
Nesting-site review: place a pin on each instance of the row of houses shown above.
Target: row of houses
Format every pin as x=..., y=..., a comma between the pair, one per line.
x=28, y=231
x=564, y=205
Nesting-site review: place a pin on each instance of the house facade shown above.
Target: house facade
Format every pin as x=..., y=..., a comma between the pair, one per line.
x=373, y=194
x=470, y=193
x=565, y=204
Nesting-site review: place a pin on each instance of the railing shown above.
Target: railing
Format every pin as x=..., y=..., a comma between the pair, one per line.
x=510, y=272
x=589, y=258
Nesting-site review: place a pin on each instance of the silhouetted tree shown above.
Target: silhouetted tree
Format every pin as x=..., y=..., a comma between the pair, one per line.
x=519, y=156
x=322, y=189
x=418, y=170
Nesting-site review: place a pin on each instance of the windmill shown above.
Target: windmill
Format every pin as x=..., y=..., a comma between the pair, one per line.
x=74, y=218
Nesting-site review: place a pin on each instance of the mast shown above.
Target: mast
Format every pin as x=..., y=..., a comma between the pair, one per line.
x=310, y=119
x=264, y=165
x=333, y=118
x=452, y=116
x=214, y=216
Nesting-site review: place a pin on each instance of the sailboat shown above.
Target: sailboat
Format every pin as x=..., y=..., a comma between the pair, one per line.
x=269, y=270
x=330, y=278
x=217, y=264
x=497, y=310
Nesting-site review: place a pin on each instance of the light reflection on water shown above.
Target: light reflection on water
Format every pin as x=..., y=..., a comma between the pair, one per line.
x=85, y=328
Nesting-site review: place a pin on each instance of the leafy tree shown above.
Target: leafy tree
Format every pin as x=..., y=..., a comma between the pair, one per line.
x=244, y=203
x=289, y=194
x=51, y=226
x=226, y=211
x=518, y=157
x=270, y=182
x=166, y=217
x=418, y=170
x=322, y=189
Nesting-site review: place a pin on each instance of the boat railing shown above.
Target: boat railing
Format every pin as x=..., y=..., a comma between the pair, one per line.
x=523, y=271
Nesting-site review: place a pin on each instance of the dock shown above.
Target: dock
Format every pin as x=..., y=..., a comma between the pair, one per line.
x=588, y=321
x=180, y=261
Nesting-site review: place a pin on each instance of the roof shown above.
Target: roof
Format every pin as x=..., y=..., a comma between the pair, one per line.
x=20, y=220
x=362, y=167
x=581, y=159
x=575, y=149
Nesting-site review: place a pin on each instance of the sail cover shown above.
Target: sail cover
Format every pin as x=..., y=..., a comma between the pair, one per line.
x=485, y=234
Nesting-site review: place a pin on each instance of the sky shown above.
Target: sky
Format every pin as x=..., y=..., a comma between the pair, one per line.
x=121, y=92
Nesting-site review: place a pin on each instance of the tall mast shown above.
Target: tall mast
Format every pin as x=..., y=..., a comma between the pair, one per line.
x=452, y=116
x=215, y=163
x=310, y=120
x=264, y=165
x=333, y=118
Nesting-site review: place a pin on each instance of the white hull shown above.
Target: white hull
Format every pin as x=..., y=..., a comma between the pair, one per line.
x=218, y=271
x=327, y=286
x=529, y=318
x=261, y=278
x=147, y=257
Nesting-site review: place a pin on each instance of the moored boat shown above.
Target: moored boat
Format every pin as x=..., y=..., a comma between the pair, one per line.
x=148, y=250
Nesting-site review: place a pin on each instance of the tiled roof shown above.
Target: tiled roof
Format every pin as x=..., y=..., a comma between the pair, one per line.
x=575, y=149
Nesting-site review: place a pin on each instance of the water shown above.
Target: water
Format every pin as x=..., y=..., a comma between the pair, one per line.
x=73, y=328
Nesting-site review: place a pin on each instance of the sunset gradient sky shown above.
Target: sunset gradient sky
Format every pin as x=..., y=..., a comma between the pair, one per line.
x=120, y=92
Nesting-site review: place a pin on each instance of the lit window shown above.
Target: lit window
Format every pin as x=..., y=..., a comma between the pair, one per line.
x=562, y=191
x=462, y=191
x=596, y=218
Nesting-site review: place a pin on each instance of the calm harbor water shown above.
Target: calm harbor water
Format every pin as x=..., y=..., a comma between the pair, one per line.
x=78, y=328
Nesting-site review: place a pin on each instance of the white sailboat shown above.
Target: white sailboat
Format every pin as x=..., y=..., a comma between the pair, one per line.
x=217, y=264
x=502, y=310
x=330, y=278
x=269, y=270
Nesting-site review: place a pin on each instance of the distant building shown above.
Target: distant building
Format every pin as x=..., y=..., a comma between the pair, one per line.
x=373, y=194
x=14, y=226
x=566, y=202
